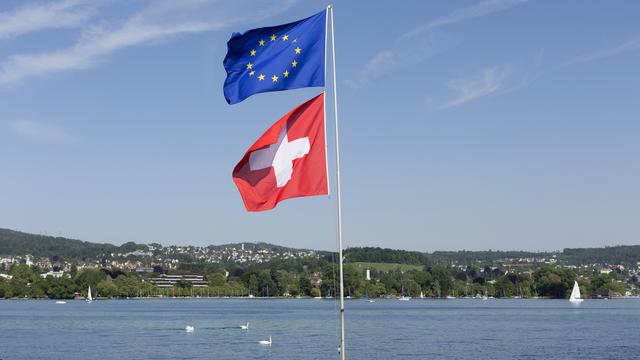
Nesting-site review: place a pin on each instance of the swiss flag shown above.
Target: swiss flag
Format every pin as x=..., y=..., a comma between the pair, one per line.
x=289, y=160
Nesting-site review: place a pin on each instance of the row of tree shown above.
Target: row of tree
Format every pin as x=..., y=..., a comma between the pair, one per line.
x=626, y=255
x=312, y=277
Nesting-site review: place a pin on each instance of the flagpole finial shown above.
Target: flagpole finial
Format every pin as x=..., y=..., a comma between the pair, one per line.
x=329, y=6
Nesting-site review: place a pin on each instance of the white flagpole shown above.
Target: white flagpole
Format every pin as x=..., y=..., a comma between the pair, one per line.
x=324, y=107
x=339, y=203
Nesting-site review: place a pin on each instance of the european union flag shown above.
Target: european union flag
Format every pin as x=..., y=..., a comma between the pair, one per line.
x=275, y=58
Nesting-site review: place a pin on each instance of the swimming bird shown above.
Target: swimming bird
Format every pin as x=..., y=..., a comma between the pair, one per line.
x=265, y=342
x=189, y=328
x=245, y=327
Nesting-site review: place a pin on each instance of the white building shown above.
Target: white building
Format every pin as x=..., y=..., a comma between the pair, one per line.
x=54, y=274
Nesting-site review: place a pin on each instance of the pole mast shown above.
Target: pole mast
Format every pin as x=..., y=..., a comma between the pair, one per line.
x=339, y=202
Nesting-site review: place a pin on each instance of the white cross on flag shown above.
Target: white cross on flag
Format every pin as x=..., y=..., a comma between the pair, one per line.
x=289, y=160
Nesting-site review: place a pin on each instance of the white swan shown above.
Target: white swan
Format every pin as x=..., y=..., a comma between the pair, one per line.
x=245, y=327
x=265, y=342
x=189, y=328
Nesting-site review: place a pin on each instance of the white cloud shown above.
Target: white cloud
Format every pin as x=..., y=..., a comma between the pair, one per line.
x=495, y=80
x=488, y=82
x=160, y=21
x=467, y=13
x=414, y=47
x=60, y=14
x=402, y=54
x=602, y=54
x=41, y=132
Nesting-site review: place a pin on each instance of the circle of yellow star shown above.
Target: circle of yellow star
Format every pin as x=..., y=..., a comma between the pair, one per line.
x=294, y=63
x=274, y=78
x=286, y=73
x=251, y=73
x=261, y=77
x=253, y=52
x=285, y=38
x=261, y=42
x=273, y=37
x=249, y=66
x=298, y=50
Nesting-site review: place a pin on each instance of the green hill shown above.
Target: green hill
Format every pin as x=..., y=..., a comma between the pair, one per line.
x=20, y=243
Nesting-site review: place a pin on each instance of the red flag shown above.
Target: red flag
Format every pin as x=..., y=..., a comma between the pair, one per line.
x=289, y=160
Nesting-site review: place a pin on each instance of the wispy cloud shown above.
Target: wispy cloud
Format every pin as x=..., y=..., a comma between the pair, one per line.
x=470, y=12
x=605, y=53
x=420, y=44
x=160, y=21
x=402, y=54
x=41, y=132
x=31, y=18
x=489, y=81
x=494, y=80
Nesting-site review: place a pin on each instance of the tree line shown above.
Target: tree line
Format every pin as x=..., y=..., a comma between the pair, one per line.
x=19, y=243
x=626, y=255
x=315, y=277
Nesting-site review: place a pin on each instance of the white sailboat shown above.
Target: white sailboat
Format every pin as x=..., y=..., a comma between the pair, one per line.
x=575, y=294
x=89, y=297
x=402, y=297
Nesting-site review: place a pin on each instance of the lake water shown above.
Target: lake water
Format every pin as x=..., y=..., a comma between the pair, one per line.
x=307, y=329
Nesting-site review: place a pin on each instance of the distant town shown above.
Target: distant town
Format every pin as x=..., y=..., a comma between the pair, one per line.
x=168, y=257
x=56, y=267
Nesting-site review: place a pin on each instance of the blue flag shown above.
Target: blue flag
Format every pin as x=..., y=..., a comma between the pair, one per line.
x=275, y=58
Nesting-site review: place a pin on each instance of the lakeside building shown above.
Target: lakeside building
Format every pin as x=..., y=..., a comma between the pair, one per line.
x=169, y=281
x=53, y=274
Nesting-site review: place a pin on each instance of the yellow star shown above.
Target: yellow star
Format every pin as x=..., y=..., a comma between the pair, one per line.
x=298, y=50
x=261, y=77
x=274, y=78
x=253, y=52
x=285, y=38
x=273, y=37
x=294, y=63
x=261, y=42
x=286, y=73
x=251, y=73
x=249, y=66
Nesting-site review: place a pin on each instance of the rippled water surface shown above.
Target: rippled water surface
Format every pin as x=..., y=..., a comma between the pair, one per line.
x=307, y=329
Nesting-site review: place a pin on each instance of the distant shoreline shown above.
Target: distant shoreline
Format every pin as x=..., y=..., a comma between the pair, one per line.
x=303, y=298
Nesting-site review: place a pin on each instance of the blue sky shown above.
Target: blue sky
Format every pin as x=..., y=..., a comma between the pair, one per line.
x=495, y=124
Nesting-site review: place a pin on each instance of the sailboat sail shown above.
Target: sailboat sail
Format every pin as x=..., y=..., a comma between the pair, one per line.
x=89, y=298
x=575, y=293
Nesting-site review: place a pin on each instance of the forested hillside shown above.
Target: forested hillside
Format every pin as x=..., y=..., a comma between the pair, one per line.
x=629, y=255
x=19, y=243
